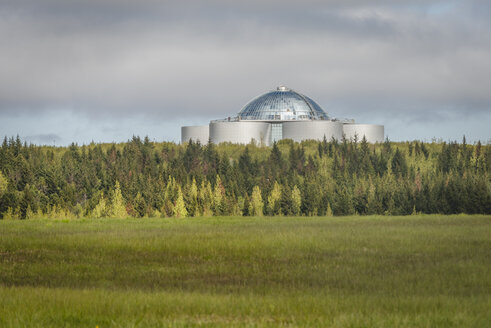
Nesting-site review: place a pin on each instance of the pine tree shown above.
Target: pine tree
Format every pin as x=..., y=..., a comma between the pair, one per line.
x=398, y=164
x=256, y=205
x=11, y=214
x=29, y=213
x=179, y=207
x=192, y=199
x=329, y=210
x=310, y=198
x=374, y=204
x=286, y=200
x=274, y=198
x=246, y=206
x=296, y=200
x=343, y=200
x=218, y=196
x=140, y=205
x=205, y=198
x=78, y=211
x=171, y=190
x=99, y=211
x=118, y=206
x=3, y=184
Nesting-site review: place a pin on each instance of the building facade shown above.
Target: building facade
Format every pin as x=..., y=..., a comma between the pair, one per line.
x=280, y=114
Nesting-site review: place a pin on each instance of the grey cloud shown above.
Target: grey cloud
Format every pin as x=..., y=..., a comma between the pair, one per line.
x=49, y=138
x=175, y=60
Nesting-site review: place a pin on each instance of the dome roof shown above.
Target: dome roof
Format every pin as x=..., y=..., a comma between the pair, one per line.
x=283, y=104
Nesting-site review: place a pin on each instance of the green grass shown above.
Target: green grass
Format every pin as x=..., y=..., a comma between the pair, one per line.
x=430, y=271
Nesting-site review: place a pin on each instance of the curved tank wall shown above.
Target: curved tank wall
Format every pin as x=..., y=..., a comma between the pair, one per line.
x=240, y=132
x=372, y=132
x=199, y=133
x=316, y=130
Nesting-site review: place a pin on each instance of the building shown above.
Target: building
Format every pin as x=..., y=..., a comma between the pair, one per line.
x=280, y=114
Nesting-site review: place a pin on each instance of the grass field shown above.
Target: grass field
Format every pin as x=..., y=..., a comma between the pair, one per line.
x=430, y=271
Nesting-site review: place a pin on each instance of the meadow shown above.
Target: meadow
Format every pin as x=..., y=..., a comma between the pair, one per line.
x=375, y=271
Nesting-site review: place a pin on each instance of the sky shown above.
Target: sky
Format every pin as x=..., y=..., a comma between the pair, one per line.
x=102, y=71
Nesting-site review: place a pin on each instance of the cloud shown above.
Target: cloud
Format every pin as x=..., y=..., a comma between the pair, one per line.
x=43, y=139
x=170, y=61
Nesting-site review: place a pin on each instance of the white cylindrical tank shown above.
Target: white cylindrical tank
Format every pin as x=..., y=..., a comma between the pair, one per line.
x=316, y=130
x=372, y=132
x=199, y=133
x=242, y=132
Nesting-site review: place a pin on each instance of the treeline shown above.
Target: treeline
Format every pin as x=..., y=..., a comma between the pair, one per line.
x=140, y=178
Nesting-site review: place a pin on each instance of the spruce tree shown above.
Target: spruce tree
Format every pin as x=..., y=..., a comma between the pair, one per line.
x=206, y=199
x=246, y=206
x=3, y=184
x=29, y=213
x=140, y=205
x=192, y=199
x=329, y=210
x=218, y=197
x=179, y=207
x=256, y=205
x=118, y=206
x=296, y=200
x=286, y=200
x=274, y=199
x=99, y=211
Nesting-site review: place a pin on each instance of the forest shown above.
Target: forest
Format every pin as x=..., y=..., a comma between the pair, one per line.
x=140, y=178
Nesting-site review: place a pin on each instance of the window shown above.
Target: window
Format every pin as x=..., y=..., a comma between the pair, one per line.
x=276, y=132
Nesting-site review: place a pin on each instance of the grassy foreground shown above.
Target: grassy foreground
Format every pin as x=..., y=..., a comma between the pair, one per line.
x=431, y=271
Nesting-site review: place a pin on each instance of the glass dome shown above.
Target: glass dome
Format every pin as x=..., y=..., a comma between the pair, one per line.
x=283, y=104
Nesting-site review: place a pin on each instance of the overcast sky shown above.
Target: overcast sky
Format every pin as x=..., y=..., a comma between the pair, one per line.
x=82, y=71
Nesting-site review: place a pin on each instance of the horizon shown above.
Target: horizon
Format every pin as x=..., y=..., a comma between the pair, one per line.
x=142, y=138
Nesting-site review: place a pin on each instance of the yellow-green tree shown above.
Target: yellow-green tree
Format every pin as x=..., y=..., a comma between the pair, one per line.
x=256, y=204
x=179, y=207
x=118, y=206
x=11, y=214
x=329, y=210
x=274, y=200
x=140, y=205
x=169, y=198
x=3, y=184
x=192, y=199
x=100, y=210
x=29, y=213
x=218, y=196
x=205, y=198
x=296, y=200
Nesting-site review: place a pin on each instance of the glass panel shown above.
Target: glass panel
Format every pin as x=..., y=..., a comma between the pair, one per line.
x=281, y=106
x=276, y=132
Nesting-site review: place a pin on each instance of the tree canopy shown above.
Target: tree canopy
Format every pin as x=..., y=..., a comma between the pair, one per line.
x=140, y=178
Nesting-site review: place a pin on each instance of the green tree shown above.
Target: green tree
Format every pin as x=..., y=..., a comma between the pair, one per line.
x=179, y=207
x=274, y=199
x=140, y=205
x=218, y=197
x=206, y=198
x=398, y=164
x=329, y=210
x=29, y=212
x=11, y=214
x=192, y=199
x=3, y=184
x=118, y=205
x=296, y=200
x=343, y=200
x=256, y=204
x=246, y=206
x=100, y=211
